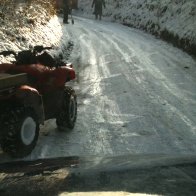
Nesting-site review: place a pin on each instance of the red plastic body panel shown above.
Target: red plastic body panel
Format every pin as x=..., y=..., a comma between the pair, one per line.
x=44, y=78
x=27, y=88
x=5, y=67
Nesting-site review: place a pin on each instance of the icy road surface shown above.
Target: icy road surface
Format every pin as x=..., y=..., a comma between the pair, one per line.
x=136, y=95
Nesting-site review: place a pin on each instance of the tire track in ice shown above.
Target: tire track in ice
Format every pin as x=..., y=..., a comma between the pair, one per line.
x=165, y=84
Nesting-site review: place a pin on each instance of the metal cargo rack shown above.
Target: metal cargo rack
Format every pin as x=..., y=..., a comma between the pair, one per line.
x=8, y=80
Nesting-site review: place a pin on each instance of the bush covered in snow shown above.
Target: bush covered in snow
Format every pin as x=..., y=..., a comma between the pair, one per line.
x=21, y=12
x=17, y=15
x=24, y=23
x=172, y=20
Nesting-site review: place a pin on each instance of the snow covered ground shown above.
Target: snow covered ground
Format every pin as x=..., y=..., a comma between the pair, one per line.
x=136, y=94
x=172, y=20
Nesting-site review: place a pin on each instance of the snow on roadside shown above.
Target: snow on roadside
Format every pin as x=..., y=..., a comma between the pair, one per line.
x=174, y=21
x=32, y=31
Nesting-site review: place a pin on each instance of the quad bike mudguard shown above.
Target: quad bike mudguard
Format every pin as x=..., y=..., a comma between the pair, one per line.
x=30, y=97
x=14, y=90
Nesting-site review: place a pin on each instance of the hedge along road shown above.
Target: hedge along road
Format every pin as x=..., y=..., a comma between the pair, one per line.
x=136, y=95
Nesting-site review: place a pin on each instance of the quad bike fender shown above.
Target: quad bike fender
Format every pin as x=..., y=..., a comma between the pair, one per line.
x=66, y=72
x=30, y=97
x=56, y=78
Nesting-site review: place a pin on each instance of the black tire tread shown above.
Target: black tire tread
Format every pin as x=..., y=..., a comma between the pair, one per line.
x=10, y=125
x=63, y=120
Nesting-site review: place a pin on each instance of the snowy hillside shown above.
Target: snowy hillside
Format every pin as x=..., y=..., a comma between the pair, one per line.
x=35, y=24
x=172, y=20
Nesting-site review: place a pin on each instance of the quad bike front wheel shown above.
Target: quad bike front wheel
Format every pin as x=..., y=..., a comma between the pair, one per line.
x=20, y=132
x=68, y=114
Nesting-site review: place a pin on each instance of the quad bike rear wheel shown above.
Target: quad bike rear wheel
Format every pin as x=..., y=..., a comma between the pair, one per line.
x=68, y=114
x=20, y=132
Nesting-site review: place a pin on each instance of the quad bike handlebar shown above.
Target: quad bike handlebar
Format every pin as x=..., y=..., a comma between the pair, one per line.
x=7, y=53
x=28, y=56
x=38, y=49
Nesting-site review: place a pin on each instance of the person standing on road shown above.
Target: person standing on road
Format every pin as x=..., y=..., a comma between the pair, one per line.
x=98, y=4
x=66, y=10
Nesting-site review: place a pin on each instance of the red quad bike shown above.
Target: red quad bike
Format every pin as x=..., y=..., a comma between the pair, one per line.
x=32, y=90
